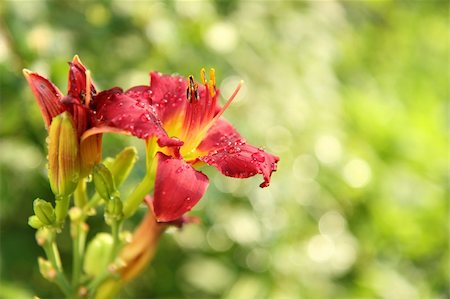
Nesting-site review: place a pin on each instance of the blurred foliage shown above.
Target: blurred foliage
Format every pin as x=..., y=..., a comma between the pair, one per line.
x=351, y=95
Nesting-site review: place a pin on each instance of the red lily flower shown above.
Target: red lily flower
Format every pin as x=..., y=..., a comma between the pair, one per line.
x=190, y=112
x=80, y=102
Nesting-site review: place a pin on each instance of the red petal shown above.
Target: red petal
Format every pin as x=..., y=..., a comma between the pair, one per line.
x=77, y=81
x=168, y=95
x=178, y=187
x=134, y=115
x=47, y=96
x=142, y=92
x=232, y=156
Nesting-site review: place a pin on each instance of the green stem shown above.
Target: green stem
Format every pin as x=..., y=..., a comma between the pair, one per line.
x=115, y=231
x=80, y=195
x=78, y=232
x=79, y=240
x=92, y=203
x=135, y=198
x=61, y=209
x=147, y=184
x=51, y=250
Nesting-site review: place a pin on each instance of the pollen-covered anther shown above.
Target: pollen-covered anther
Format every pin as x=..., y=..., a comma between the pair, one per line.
x=192, y=90
x=88, y=88
x=203, y=75
x=212, y=82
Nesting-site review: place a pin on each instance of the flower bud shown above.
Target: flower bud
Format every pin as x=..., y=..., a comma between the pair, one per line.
x=63, y=160
x=97, y=254
x=104, y=182
x=43, y=236
x=122, y=164
x=114, y=210
x=46, y=269
x=34, y=222
x=44, y=211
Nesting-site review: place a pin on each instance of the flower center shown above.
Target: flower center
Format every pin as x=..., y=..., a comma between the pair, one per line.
x=201, y=113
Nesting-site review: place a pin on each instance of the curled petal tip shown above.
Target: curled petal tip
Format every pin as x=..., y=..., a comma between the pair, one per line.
x=26, y=72
x=76, y=59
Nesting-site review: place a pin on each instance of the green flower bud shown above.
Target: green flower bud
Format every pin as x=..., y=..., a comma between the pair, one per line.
x=46, y=269
x=43, y=235
x=114, y=210
x=104, y=182
x=63, y=157
x=34, y=222
x=97, y=254
x=122, y=164
x=44, y=211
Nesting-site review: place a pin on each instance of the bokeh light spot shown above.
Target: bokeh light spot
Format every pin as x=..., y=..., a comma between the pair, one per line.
x=357, y=173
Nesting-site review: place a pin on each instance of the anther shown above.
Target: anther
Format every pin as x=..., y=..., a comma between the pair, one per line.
x=88, y=88
x=212, y=82
x=192, y=90
x=203, y=75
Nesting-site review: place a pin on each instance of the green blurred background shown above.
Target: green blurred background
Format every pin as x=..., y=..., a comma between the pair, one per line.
x=352, y=96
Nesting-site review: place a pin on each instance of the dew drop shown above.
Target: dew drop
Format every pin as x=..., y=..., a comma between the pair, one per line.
x=258, y=156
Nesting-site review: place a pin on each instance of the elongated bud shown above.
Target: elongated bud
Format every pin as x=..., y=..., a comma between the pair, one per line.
x=104, y=182
x=34, y=222
x=46, y=269
x=122, y=164
x=63, y=158
x=44, y=211
x=97, y=254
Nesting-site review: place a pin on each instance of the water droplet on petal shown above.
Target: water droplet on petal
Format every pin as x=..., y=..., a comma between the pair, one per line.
x=258, y=156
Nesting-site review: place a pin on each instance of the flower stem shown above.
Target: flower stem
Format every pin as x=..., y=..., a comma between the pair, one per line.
x=78, y=232
x=51, y=250
x=80, y=195
x=146, y=185
x=137, y=196
x=61, y=209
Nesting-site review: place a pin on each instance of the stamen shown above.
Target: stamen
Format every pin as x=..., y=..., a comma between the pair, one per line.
x=203, y=75
x=227, y=104
x=192, y=90
x=88, y=87
x=212, y=82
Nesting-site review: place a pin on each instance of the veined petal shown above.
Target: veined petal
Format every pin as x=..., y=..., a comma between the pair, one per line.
x=47, y=96
x=77, y=81
x=134, y=115
x=233, y=157
x=168, y=95
x=140, y=92
x=178, y=188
